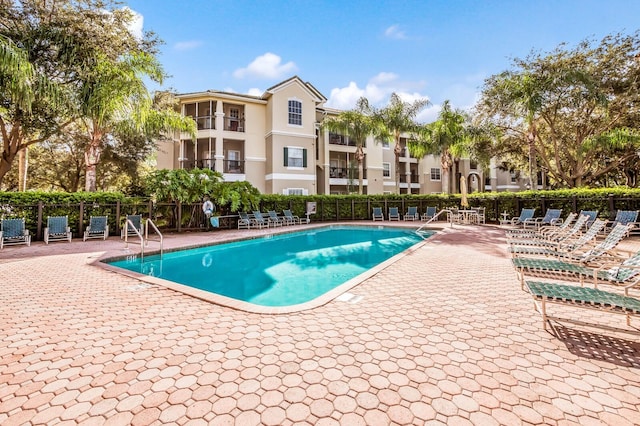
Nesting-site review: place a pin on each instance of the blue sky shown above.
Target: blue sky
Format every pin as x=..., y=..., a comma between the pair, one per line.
x=438, y=49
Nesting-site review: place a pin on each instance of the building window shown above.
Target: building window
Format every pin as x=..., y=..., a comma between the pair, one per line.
x=514, y=177
x=295, y=157
x=473, y=165
x=295, y=191
x=435, y=174
x=384, y=143
x=386, y=170
x=295, y=112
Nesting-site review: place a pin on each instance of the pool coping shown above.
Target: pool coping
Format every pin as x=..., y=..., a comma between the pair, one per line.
x=259, y=309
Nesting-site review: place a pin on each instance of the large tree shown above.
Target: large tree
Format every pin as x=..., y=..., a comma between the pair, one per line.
x=399, y=117
x=564, y=111
x=67, y=60
x=357, y=124
x=115, y=100
x=446, y=137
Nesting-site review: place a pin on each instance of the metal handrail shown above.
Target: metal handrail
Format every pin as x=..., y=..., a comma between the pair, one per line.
x=126, y=236
x=155, y=228
x=447, y=211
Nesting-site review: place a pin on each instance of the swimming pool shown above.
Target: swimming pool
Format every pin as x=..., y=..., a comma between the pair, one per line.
x=279, y=270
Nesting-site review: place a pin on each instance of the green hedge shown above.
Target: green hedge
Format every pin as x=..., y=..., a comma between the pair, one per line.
x=328, y=207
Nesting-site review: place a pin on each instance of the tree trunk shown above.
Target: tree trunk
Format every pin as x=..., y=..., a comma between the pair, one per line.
x=533, y=175
x=23, y=165
x=445, y=180
x=397, y=150
x=360, y=159
x=91, y=160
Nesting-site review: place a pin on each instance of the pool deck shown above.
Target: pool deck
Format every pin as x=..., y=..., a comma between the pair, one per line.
x=444, y=335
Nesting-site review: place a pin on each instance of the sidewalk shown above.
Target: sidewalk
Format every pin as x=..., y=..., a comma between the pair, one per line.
x=443, y=336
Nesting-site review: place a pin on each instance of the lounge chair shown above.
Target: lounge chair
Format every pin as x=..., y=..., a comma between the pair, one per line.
x=273, y=219
x=57, y=229
x=619, y=273
x=524, y=215
x=132, y=224
x=592, y=215
x=411, y=214
x=13, y=231
x=394, y=214
x=290, y=218
x=551, y=217
x=377, y=214
x=244, y=221
x=259, y=221
x=98, y=228
x=582, y=297
x=548, y=232
x=624, y=217
x=430, y=213
x=551, y=238
x=560, y=247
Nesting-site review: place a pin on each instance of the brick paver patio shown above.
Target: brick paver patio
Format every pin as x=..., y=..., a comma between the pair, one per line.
x=443, y=336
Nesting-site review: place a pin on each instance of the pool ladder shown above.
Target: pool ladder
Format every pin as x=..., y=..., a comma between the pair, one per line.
x=144, y=240
x=419, y=231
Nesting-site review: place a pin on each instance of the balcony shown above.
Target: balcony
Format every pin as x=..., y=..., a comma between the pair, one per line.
x=336, y=139
x=345, y=173
x=204, y=163
x=205, y=122
x=232, y=124
x=233, y=167
x=413, y=178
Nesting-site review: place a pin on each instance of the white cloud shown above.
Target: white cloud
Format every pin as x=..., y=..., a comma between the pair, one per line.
x=187, y=45
x=395, y=32
x=254, y=91
x=136, y=24
x=377, y=91
x=267, y=66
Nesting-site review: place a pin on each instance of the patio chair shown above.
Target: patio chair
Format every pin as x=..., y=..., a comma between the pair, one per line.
x=592, y=215
x=134, y=228
x=411, y=214
x=98, y=228
x=550, y=238
x=554, y=248
x=548, y=232
x=618, y=273
x=524, y=215
x=13, y=231
x=551, y=217
x=273, y=219
x=57, y=229
x=244, y=221
x=480, y=214
x=624, y=217
x=394, y=214
x=259, y=221
x=430, y=213
x=290, y=218
x=582, y=297
x=377, y=214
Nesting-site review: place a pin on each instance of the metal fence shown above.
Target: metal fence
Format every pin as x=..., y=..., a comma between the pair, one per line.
x=177, y=217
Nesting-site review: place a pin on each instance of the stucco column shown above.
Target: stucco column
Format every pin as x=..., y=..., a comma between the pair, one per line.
x=219, y=148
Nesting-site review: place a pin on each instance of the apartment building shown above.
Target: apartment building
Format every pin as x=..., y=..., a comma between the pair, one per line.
x=277, y=143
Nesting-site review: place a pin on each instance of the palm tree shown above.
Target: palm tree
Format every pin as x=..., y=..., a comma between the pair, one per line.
x=446, y=137
x=21, y=89
x=114, y=98
x=357, y=124
x=398, y=117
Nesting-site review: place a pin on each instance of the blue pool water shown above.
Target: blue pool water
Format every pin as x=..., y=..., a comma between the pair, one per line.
x=279, y=270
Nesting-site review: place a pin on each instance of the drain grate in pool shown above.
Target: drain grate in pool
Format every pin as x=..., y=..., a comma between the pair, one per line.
x=349, y=298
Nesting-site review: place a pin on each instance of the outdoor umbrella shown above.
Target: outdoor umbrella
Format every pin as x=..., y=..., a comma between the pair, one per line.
x=463, y=192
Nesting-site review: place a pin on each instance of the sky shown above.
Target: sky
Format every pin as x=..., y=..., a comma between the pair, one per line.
x=435, y=49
